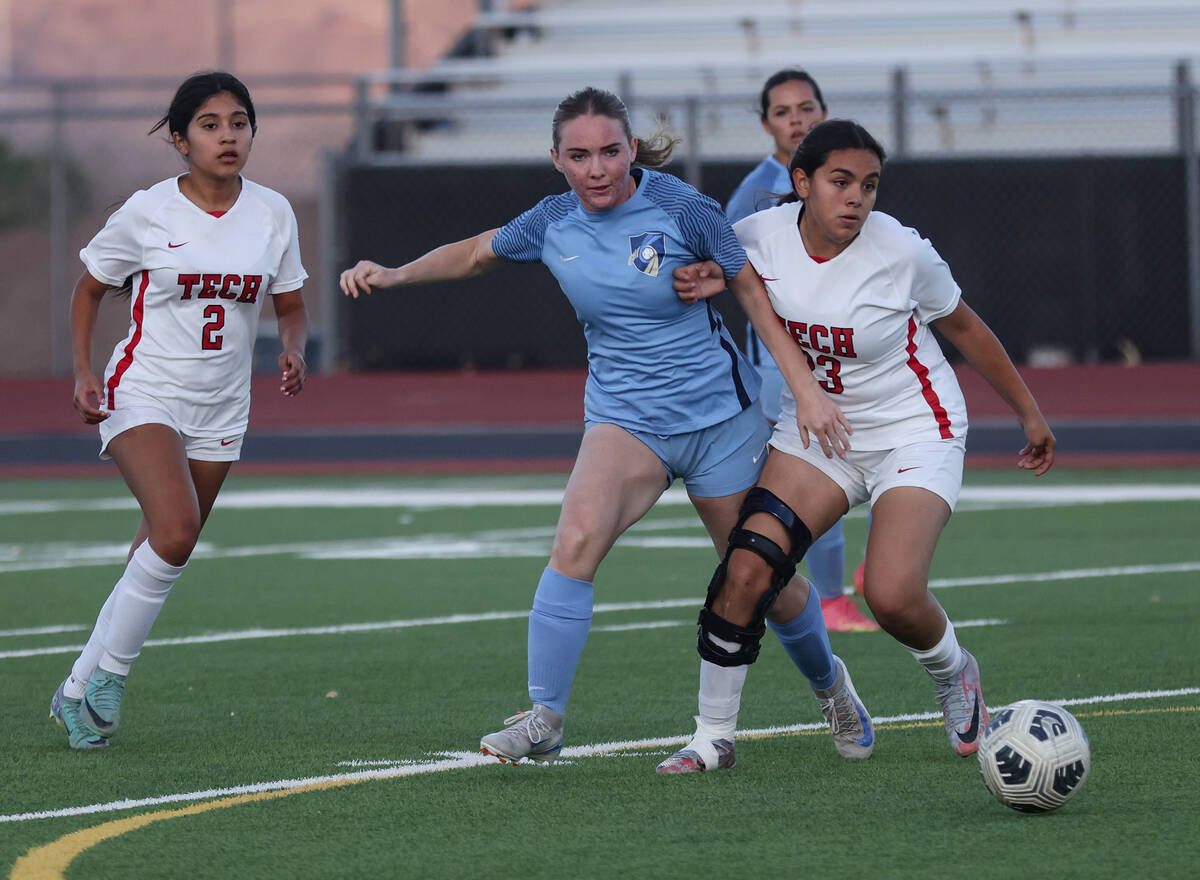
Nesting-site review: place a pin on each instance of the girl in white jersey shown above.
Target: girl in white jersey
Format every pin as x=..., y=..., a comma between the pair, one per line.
x=791, y=105
x=199, y=254
x=668, y=395
x=858, y=294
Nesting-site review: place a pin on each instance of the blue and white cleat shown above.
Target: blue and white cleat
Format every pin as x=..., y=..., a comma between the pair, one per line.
x=65, y=713
x=536, y=734
x=849, y=721
x=101, y=709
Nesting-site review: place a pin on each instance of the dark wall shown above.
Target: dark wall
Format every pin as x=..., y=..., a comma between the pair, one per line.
x=1079, y=253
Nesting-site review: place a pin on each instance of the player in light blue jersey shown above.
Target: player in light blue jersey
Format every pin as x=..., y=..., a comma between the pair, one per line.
x=792, y=104
x=668, y=394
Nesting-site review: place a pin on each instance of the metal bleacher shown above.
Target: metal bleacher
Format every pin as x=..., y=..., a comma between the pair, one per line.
x=932, y=76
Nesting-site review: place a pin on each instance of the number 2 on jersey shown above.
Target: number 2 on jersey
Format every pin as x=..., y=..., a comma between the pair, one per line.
x=209, y=338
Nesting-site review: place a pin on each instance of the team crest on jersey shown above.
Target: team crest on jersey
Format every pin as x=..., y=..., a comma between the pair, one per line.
x=646, y=252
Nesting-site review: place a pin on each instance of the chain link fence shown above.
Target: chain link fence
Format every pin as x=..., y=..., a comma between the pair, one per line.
x=1070, y=215
x=72, y=151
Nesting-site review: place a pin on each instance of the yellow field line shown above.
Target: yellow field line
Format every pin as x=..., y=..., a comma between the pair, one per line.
x=50, y=861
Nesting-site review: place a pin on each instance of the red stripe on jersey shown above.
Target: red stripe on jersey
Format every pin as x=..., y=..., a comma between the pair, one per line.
x=935, y=404
x=123, y=363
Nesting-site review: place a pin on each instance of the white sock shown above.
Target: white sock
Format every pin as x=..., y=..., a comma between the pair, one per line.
x=721, y=693
x=139, y=596
x=81, y=671
x=943, y=659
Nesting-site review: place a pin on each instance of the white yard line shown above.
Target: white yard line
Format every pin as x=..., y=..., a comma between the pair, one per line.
x=456, y=760
x=44, y=630
x=431, y=499
x=375, y=626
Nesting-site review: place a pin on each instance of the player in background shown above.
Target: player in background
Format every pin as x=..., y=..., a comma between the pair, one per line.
x=668, y=395
x=791, y=104
x=198, y=254
x=859, y=294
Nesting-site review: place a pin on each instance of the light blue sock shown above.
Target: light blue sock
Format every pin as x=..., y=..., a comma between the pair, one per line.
x=805, y=639
x=826, y=560
x=558, y=629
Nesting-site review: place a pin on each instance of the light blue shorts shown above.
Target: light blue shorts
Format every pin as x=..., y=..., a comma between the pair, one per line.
x=769, y=396
x=722, y=459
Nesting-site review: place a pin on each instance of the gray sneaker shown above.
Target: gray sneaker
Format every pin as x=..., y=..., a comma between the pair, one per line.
x=849, y=721
x=963, y=708
x=536, y=734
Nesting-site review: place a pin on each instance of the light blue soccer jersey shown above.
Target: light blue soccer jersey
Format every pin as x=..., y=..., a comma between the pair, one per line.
x=655, y=363
x=759, y=189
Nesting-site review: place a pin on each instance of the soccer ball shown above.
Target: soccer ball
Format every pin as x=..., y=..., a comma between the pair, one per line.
x=1034, y=756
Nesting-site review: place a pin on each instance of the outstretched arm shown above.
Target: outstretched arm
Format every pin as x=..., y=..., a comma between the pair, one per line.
x=983, y=351
x=816, y=413
x=461, y=259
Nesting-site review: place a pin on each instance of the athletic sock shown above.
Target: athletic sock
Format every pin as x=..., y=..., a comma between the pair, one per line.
x=720, y=693
x=943, y=659
x=137, y=599
x=76, y=683
x=806, y=641
x=558, y=630
x=826, y=560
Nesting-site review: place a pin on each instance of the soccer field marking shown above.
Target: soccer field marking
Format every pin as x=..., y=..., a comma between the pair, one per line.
x=433, y=499
x=653, y=624
x=51, y=861
x=506, y=543
x=491, y=544
x=601, y=607
x=455, y=760
x=43, y=630
x=660, y=624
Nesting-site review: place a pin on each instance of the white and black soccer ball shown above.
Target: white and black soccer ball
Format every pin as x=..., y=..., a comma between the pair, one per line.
x=1034, y=756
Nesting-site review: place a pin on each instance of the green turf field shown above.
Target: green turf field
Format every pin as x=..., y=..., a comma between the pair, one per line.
x=311, y=700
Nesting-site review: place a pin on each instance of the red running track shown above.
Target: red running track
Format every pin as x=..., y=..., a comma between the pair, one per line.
x=1160, y=392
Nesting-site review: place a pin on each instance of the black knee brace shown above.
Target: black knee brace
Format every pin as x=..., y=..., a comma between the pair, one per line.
x=783, y=567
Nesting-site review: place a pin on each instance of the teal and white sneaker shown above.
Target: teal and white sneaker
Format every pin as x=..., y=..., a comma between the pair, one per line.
x=65, y=713
x=536, y=734
x=101, y=709
x=849, y=721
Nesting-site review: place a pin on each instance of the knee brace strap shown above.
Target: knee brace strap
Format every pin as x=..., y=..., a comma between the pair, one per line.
x=783, y=567
x=760, y=500
x=748, y=639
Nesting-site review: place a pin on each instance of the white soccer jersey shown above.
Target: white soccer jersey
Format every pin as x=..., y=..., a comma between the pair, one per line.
x=199, y=282
x=862, y=319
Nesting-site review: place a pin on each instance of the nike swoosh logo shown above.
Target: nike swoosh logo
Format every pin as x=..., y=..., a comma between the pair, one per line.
x=568, y=259
x=972, y=731
x=902, y=470
x=227, y=442
x=181, y=244
x=760, y=455
x=765, y=278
